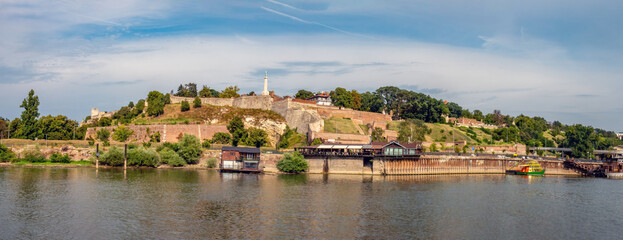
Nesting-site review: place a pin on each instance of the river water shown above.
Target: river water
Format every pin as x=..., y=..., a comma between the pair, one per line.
x=82, y=203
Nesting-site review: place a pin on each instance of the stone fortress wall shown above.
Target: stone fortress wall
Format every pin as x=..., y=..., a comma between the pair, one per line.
x=168, y=133
x=306, y=117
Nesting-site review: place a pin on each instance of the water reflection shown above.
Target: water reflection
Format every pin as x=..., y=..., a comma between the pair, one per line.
x=183, y=203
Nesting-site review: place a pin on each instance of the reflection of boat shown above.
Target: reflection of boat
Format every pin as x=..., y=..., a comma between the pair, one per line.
x=527, y=168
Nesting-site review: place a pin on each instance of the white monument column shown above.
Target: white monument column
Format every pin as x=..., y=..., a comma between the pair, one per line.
x=265, y=92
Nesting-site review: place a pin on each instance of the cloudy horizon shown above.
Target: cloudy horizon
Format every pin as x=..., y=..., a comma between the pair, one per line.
x=559, y=60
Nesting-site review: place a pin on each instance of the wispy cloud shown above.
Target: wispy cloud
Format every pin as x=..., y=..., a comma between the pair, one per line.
x=283, y=4
x=314, y=23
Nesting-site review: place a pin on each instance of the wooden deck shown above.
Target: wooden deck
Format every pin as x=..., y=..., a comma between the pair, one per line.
x=241, y=170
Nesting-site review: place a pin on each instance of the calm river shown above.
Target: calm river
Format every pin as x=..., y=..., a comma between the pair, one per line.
x=80, y=203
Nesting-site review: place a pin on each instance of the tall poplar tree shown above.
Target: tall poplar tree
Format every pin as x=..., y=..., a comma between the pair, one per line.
x=30, y=115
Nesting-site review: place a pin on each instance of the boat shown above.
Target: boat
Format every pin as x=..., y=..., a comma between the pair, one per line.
x=527, y=168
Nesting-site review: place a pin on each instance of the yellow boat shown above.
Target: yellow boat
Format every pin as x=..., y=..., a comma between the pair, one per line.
x=527, y=168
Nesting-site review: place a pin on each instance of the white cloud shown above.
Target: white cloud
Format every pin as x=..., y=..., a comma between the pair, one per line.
x=128, y=70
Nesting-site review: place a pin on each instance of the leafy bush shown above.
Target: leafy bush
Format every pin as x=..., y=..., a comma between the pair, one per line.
x=155, y=137
x=257, y=137
x=292, y=163
x=221, y=138
x=32, y=153
x=236, y=128
x=155, y=103
x=113, y=157
x=170, y=157
x=173, y=146
x=185, y=106
x=59, y=158
x=197, y=102
x=103, y=134
x=206, y=143
x=190, y=148
x=143, y=157
x=122, y=133
x=211, y=162
x=146, y=144
x=316, y=141
x=6, y=155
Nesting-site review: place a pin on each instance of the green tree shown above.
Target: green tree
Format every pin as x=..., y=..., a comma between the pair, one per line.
x=56, y=128
x=143, y=157
x=371, y=102
x=257, y=137
x=316, y=141
x=208, y=92
x=341, y=98
x=377, y=135
x=581, y=140
x=139, y=107
x=412, y=130
x=185, y=106
x=6, y=155
x=455, y=110
x=292, y=163
x=355, y=101
x=155, y=103
x=236, y=128
x=221, y=138
x=190, y=148
x=29, y=115
x=131, y=104
x=113, y=157
x=15, y=130
x=231, y=91
x=303, y=94
x=104, y=122
x=122, y=133
x=170, y=157
x=197, y=102
x=103, y=134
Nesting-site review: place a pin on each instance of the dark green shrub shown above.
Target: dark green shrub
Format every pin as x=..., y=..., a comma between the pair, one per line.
x=155, y=137
x=33, y=154
x=59, y=158
x=190, y=148
x=6, y=155
x=172, y=146
x=168, y=156
x=103, y=134
x=143, y=157
x=146, y=144
x=113, y=157
x=256, y=137
x=205, y=143
x=292, y=163
x=211, y=163
x=221, y=138
x=316, y=141
x=197, y=102
x=185, y=106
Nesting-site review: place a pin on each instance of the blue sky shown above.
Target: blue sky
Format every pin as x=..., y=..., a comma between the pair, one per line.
x=556, y=59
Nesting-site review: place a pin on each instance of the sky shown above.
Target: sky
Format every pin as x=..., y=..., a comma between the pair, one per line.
x=557, y=59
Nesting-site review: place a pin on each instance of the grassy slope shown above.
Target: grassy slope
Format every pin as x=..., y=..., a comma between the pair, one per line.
x=344, y=125
x=223, y=114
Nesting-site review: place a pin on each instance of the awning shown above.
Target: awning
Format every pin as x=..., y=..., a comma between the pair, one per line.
x=355, y=147
x=340, y=146
x=325, y=146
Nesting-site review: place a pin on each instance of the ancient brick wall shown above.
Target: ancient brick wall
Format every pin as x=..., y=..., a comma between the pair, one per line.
x=210, y=101
x=366, y=117
x=257, y=102
x=168, y=133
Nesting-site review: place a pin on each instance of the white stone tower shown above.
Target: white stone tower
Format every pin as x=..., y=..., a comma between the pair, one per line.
x=265, y=92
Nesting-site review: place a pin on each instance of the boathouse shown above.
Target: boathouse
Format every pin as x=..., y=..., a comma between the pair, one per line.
x=240, y=158
x=392, y=148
